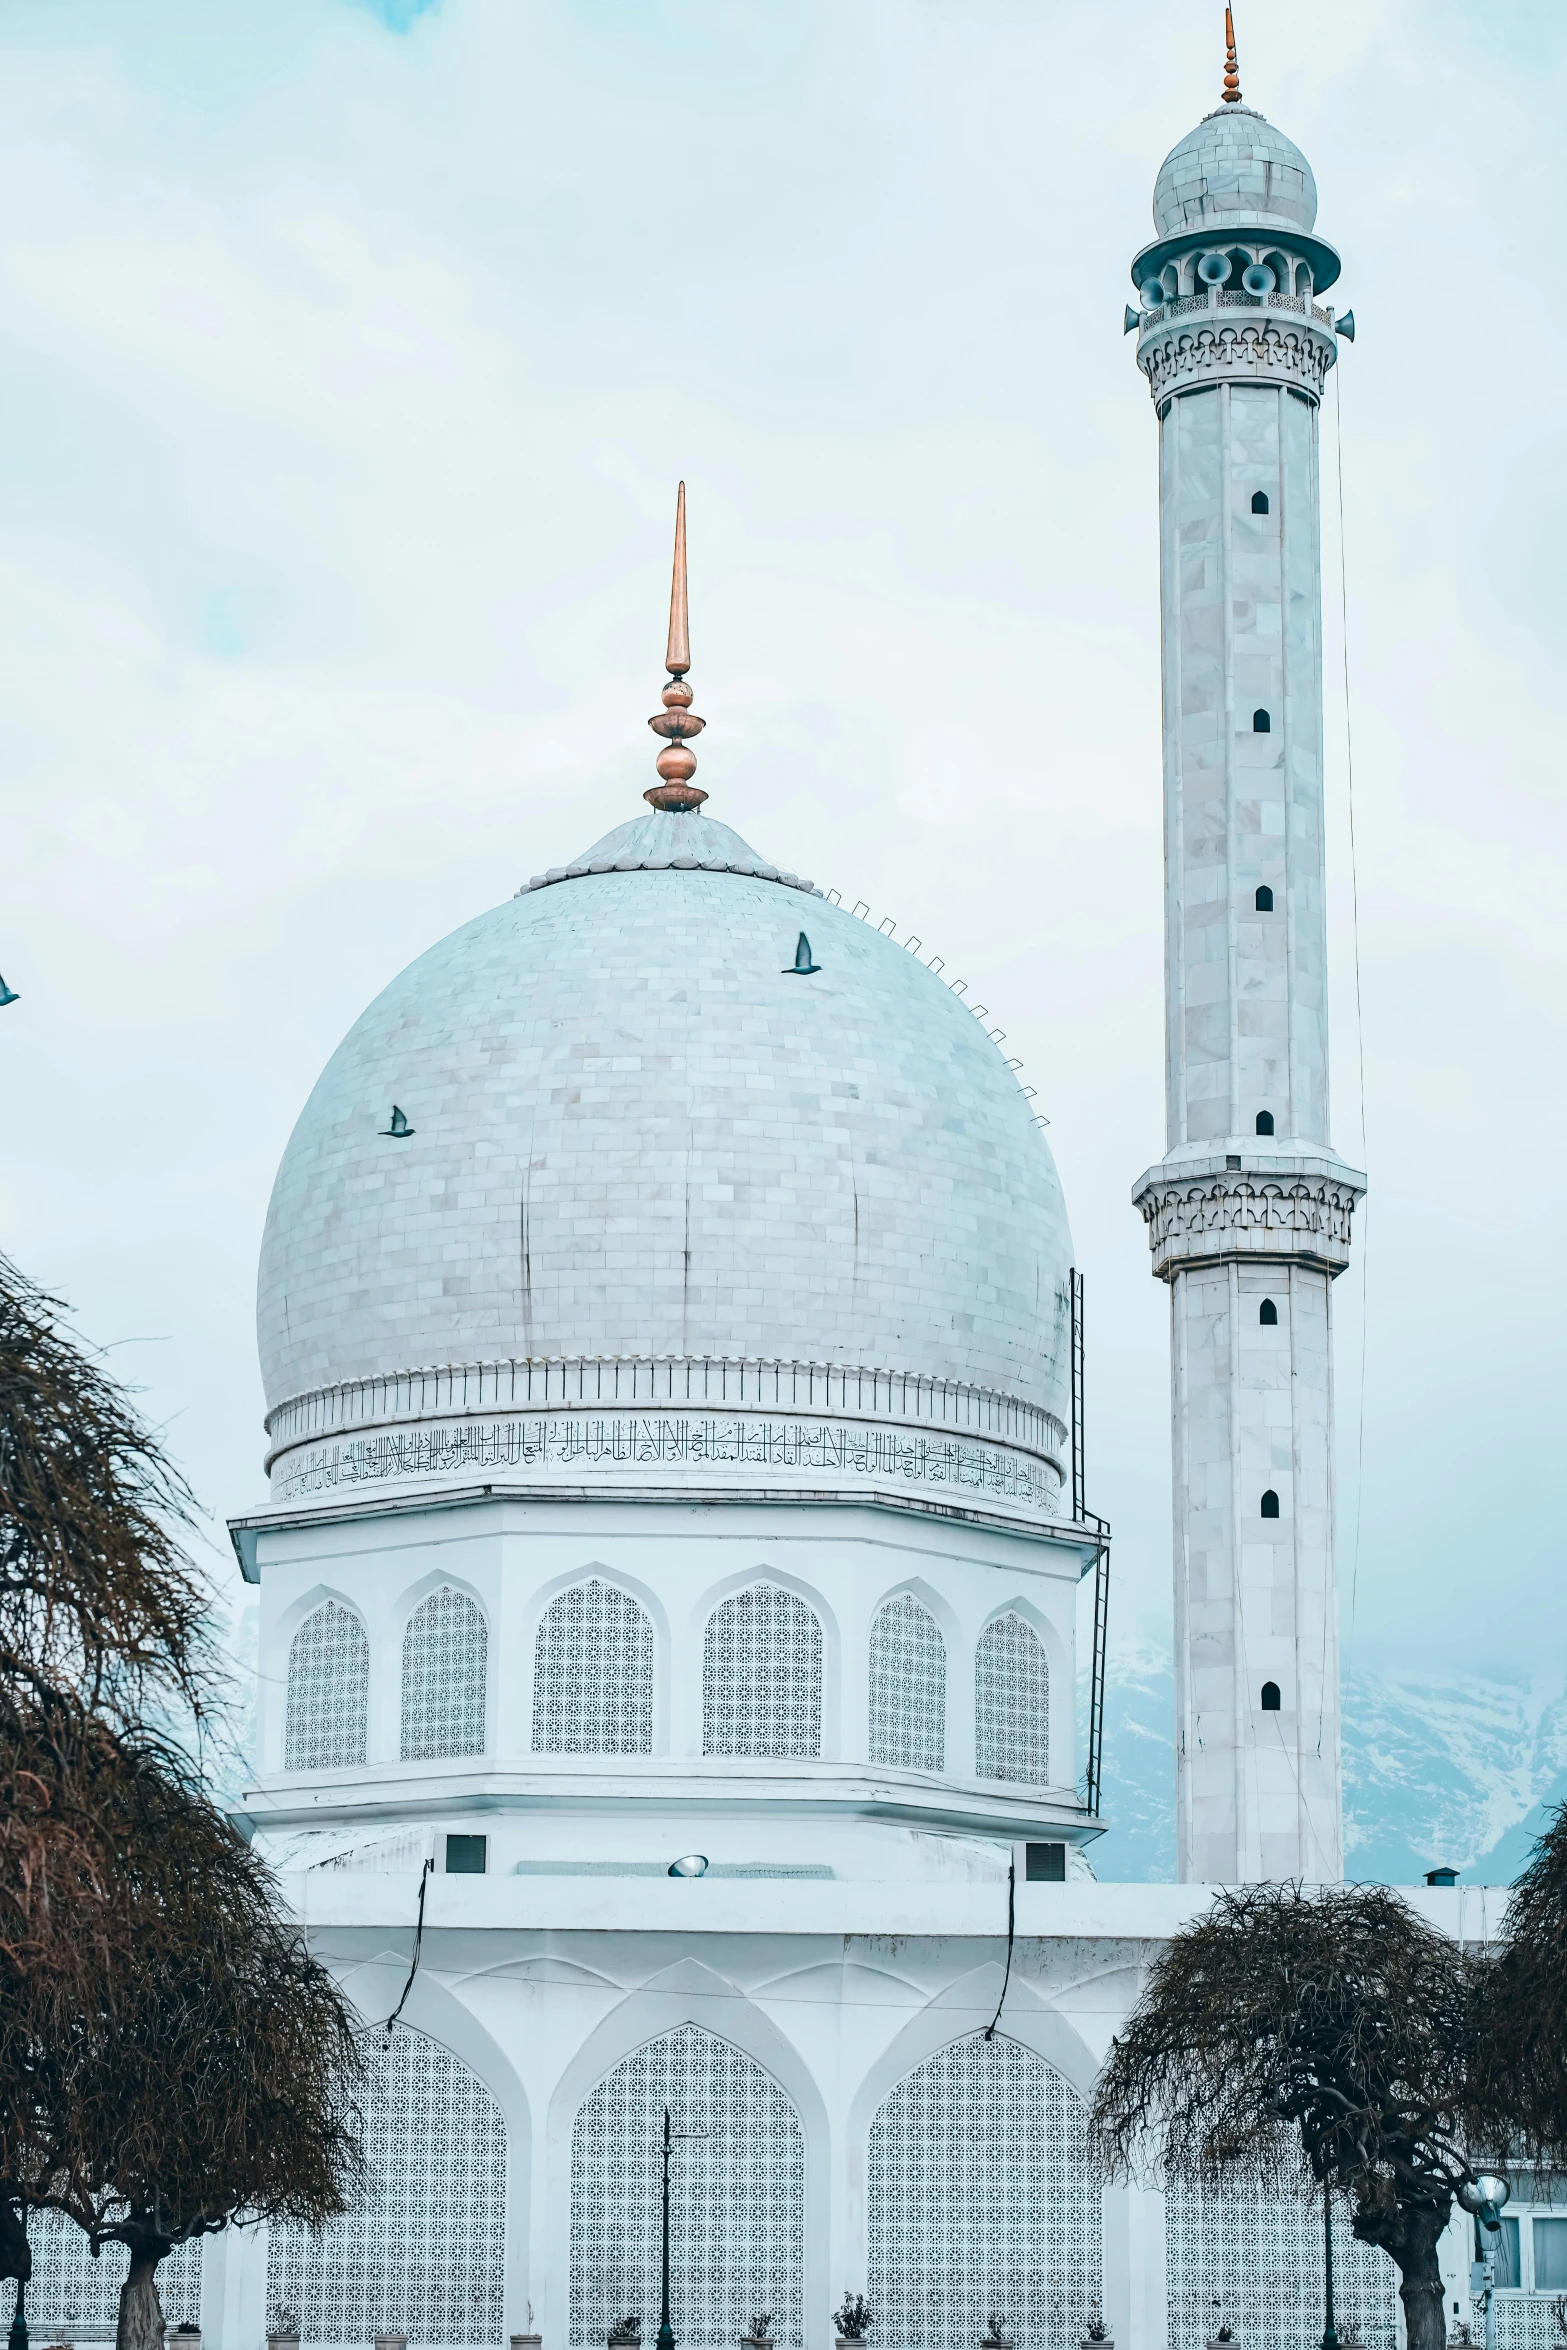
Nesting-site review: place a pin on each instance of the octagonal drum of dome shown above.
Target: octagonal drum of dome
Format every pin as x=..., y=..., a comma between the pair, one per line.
x=670, y=1212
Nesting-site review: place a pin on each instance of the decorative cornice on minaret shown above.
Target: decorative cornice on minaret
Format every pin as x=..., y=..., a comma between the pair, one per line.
x=677, y=722
x=1232, y=79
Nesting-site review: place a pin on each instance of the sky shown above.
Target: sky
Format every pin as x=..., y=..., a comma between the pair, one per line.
x=352, y=354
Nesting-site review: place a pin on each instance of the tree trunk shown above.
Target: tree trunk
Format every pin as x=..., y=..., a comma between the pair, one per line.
x=1409, y=2235
x=141, y=2312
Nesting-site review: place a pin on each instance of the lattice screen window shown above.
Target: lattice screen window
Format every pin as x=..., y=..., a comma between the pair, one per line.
x=593, y=1674
x=1012, y=1704
x=981, y=2199
x=73, y=2297
x=328, y=1691
x=762, y=1675
x=908, y=1691
x=737, y=2205
x=424, y=2251
x=1249, y=2256
x=446, y=1653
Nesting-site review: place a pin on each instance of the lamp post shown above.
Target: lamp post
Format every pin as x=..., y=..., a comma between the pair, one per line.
x=1329, y=2330
x=672, y=2138
x=1485, y=2197
x=17, y=2338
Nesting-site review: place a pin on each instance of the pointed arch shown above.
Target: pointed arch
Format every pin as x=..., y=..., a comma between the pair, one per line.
x=424, y=2246
x=327, y=1703
x=762, y=1675
x=593, y=1673
x=980, y=2197
x=446, y=1674
x=908, y=1686
x=737, y=2239
x=1012, y=1703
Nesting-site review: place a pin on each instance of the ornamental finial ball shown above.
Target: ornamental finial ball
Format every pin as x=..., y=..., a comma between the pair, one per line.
x=677, y=722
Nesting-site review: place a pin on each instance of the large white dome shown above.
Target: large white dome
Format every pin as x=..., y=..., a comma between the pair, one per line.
x=639, y=1137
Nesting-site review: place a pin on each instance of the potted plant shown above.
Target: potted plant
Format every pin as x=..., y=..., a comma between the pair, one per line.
x=283, y=2327
x=530, y=2340
x=995, y=2336
x=390, y=2341
x=1222, y=2339
x=625, y=2334
x=852, y=2318
x=760, y=2336
x=188, y=2337
x=1096, y=2334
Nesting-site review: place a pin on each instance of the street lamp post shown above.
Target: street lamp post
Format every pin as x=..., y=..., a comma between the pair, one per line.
x=17, y=2338
x=1484, y=2197
x=1329, y=2330
x=672, y=2138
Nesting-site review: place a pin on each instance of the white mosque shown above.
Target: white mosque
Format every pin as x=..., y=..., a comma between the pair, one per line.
x=669, y=1580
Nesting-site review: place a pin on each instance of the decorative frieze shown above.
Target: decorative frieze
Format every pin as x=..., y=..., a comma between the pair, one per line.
x=632, y=1448
x=1250, y=351
x=1214, y=1216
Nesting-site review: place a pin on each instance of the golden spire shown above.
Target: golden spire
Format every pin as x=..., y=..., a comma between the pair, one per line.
x=677, y=722
x=1232, y=79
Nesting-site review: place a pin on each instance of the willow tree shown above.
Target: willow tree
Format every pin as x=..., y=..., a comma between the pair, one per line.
x=172, y=2058
x=1329, y=2035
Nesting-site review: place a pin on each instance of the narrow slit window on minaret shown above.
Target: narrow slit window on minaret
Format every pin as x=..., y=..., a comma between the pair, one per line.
x=1259, y=501
x=1268, y=1313
x=1270, y=1504
x=1271, y=1700
x=1264, y=1121
x=1264, y=900
x=1261, y=723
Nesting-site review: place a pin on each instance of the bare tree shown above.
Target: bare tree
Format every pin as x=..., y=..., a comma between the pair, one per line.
x=1327, y=2033
x=172, y=2058
x=1522, y=2076
x=186, y=2063
x=98, y=1601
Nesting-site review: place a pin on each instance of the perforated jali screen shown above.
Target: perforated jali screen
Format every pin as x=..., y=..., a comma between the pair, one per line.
x=72, y=2295
x=981, y=2201
x=1250, y=2257
x=328, y=1691
x=593, y=1674
x=908, y=1687
x=1012, y=1704
x=762, y=1675
x=424, y=2251
x=737, y=2211
x=445, y=1671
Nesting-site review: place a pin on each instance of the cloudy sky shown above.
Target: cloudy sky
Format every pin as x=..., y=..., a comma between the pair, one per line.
x=351, y=357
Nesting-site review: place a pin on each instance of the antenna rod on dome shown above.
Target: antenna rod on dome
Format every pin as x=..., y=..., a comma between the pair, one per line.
x=1232, y=79
x=677, y=722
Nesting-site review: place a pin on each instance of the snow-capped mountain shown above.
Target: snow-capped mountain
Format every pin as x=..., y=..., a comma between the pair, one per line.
x=1460, y=1772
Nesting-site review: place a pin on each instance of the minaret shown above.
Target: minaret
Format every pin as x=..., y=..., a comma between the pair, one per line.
x=1249, y=1211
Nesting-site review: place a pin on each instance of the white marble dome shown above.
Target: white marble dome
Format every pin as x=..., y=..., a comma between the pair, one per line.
x=1234, y=166
x=636, y=1133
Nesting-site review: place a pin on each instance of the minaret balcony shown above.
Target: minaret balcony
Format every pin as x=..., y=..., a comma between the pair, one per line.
x=1208, y=1206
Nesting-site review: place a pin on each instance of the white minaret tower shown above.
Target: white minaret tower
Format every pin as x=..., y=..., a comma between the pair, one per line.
x=1249, y=1211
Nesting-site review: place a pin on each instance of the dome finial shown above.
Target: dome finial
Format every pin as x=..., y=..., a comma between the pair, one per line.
x=677, y=722
x=1232, y=79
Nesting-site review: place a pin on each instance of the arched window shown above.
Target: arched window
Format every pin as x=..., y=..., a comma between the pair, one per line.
x=78, y=2298
x=739, y=2245
x=980, y=2196
x=1271, y=1700
x=1264, y=1121
x=1264, y=899
x=908, y=1692
x=1261, y=723
x=1259, y=501
x=1267, y=1313
x=446, y=1651
x=1270, y=1504
x=1012, y=1704
x=328, y=1699
x=593, y=1674
x=762, y=1675
x=424, y=2246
